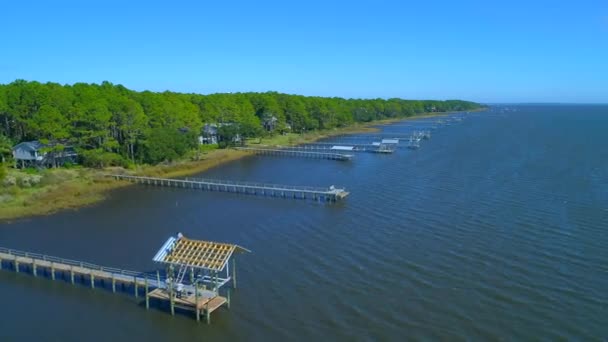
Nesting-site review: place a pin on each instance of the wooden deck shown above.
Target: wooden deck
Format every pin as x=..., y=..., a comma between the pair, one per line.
x=207, y=300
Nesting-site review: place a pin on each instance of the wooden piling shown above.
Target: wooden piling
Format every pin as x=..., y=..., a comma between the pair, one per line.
x=146, y=292
x=16, y=262
x=198, y=311
x=135, y=286
x=92, y=277
x=113, y=283
x=228, y=298
x=72, y=274
x=207, y=314
x=233, y=272
x=52, y=270
x=157, y=279
x=34, y=268
x=171, y=299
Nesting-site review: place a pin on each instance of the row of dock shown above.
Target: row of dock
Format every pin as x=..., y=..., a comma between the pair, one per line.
x=338, y=148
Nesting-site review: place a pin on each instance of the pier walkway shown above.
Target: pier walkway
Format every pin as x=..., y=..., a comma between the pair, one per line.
x=290, y=152
x=329, y=194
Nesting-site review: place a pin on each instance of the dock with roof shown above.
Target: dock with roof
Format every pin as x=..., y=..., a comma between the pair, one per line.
x=198, y=275
x=196, y=270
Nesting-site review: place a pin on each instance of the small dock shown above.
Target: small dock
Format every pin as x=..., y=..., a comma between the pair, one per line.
x=289, y=152
x=203, y=260
x=329, y=194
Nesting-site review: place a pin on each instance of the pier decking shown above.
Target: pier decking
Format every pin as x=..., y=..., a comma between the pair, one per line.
x=329, y=194
x=290, y=152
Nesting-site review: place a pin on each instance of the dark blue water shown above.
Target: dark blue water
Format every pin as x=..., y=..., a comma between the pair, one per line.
x=496, y=227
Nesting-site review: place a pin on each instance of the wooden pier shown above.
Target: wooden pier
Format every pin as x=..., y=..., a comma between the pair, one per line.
x=358, y=147
x=290, y=152
x=204, y=261
x=149, y=285
x=329, y=194
x=373, y=147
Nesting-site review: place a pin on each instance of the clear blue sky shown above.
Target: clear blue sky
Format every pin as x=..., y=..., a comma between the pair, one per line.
x=516, y=51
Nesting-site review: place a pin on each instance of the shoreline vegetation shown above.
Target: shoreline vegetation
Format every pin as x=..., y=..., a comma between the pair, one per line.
x=75, y=134
x=74, y=188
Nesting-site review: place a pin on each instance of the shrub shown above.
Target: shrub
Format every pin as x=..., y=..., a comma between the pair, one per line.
x=3, y=172
x=99, y=158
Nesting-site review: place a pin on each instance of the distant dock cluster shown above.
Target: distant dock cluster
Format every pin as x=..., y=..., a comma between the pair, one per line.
x=338, y=148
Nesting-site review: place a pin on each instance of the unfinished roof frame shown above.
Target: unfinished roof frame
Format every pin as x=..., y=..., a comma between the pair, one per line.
x=205, y=260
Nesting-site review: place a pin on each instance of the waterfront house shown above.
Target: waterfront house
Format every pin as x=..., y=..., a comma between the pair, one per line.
x=211, y=133
x=270, y=122
x=37, y=154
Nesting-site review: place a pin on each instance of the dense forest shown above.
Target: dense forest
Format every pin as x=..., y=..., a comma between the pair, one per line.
x=111, y=125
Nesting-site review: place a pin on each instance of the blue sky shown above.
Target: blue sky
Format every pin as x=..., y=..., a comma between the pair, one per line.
x=515, y=51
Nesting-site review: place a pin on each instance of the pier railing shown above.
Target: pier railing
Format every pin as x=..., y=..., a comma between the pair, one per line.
x=263, y=189
x=151, y=277
x=259, y=185
x=294, y=152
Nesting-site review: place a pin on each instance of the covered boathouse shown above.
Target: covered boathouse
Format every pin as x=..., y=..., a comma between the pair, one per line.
x=196, y=272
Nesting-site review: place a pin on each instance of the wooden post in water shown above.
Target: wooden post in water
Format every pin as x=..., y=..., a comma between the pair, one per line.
x=16, y=264
x=34, y=267
x=0, y=264
x=72, y=274
x=146, y=290
x=208, y=314
x=171, y=300
x=228, y=297
x=92, y=276
x=157, y=279
x=113, y=283
x=135, y=285
x=52, y=270
x=233, y=272
x=198, y=311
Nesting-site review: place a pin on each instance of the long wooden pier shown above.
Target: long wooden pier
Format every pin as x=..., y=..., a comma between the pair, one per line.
x=195, y=298
x=359, y=147
x=355, y=147
x=290, y=152
x=329, y=194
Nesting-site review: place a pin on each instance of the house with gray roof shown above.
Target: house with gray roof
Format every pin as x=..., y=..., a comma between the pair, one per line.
x=37, y=154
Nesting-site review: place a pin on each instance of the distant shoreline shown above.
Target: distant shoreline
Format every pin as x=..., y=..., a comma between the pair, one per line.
x=85, y=187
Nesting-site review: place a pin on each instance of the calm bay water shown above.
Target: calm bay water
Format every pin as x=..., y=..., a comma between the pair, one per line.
x=496, y=227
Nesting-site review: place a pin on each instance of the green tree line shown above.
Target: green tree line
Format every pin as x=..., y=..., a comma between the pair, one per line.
x=110, y=124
